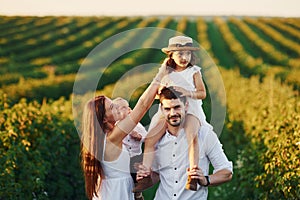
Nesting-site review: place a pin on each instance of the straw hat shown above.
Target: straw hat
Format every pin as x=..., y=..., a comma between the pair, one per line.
x=180, y=43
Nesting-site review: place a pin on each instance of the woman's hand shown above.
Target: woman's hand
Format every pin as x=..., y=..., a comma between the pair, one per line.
x=163, y=70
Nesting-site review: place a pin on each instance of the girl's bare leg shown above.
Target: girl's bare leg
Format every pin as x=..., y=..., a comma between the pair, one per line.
x=191, y=127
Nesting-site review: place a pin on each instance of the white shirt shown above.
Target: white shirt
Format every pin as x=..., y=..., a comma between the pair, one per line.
x=134, y=147
x=171, y=162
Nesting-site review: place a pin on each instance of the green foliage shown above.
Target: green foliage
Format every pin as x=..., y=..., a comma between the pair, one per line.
x=39, y=151
x=9, y=79
x=52, y=87
x=268, y=165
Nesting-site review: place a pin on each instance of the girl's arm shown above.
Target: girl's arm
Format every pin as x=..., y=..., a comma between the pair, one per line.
x=200, y=92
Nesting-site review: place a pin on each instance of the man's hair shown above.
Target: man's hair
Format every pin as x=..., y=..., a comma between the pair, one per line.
x=171, y=93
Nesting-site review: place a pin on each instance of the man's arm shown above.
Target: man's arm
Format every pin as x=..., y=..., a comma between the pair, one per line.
x=222, y=166
x=215, y=153
x=219, y=177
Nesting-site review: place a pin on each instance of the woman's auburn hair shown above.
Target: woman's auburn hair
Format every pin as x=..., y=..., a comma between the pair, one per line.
x=92, y=141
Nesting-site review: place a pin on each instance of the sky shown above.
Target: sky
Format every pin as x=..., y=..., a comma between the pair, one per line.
x=281, y=8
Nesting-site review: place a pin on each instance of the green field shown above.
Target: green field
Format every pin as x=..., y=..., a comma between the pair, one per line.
x=258, y=59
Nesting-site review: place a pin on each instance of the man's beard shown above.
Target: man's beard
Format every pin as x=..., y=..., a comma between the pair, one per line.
x=174, y=123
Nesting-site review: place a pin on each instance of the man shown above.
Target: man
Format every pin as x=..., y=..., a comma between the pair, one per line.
x=171, y=157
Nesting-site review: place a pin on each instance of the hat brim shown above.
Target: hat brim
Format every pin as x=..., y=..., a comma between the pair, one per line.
x=168, y=49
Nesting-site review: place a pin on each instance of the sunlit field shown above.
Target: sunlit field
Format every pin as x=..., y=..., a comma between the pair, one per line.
x=258, y=59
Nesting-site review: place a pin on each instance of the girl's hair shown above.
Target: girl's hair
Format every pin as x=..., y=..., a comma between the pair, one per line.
x=92, y=140
x=171, y=63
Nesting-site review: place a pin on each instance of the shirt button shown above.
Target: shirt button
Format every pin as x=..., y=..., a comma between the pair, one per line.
x=128, y=140
x=175, y=168
x=173, y=155
x=129, y=147
x=174, y=195
x=175, y=142
x=176, y=181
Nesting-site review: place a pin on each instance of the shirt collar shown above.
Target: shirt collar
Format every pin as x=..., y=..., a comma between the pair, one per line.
x=169, y=135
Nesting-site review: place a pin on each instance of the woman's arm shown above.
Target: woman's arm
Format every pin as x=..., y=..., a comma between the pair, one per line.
x=126, y=125
x=147, y=98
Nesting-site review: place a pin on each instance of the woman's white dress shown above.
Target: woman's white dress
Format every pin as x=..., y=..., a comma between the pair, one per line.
x=118, y=183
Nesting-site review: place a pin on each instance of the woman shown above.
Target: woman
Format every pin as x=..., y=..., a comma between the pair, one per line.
x=105, y=160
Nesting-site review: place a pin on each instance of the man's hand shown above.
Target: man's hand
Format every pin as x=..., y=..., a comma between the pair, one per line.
x=196, y=173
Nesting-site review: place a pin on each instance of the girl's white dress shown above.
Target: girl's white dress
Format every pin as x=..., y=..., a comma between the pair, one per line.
x=185, y=80
x=118, y=183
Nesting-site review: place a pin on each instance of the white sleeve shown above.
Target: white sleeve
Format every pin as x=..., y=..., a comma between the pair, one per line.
x=196, y=69
x=215, y=153
x=141, y=130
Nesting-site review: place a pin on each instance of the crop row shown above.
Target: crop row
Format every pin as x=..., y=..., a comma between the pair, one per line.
x=243, y=58
x=290, y=46
x=204, y=39
x=285, y=29
x=66, y=36
x=62, y=44
x=37, y=43
x=276, y=57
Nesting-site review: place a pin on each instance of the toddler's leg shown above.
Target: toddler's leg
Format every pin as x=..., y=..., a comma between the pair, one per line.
x=191, y=127
x=151, y=139
x=133, y=160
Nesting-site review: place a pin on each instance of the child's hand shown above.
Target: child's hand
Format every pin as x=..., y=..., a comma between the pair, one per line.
x=136, y=136
x=183, y=91
x=142, y=172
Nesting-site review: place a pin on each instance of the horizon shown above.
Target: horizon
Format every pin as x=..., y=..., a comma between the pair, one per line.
x=259, y=8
